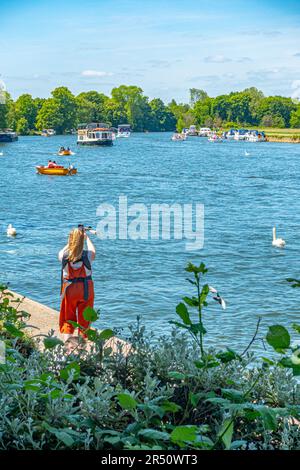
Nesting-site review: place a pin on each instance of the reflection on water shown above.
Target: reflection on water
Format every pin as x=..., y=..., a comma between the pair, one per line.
x=243, y=196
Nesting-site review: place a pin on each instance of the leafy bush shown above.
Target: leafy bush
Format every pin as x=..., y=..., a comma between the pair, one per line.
x=169, y=395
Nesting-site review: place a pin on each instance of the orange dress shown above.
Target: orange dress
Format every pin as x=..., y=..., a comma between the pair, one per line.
x=74, y=301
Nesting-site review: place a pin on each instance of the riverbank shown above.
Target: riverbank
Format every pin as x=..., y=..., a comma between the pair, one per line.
x=44, y=319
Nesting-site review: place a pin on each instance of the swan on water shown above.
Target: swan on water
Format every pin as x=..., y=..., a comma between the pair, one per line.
x=278, y=242
x=11, y=231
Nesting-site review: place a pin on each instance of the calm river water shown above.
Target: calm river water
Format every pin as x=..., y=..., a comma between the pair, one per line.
x=244, y=197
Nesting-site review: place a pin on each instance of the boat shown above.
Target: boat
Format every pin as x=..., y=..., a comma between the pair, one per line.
x=177, y=137
x=255, y=136
x=205, y=132
x=94, y=134
x=192, y=131
x=229, y=135
x=215, y=138
x=7, y=135
x=48, y=132
x=64, y=152
x=240, y=134
x=57, y=171
x=124, y=130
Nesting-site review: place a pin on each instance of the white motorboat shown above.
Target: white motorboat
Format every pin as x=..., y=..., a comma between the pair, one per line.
x=255, y=136
x=192, y=131
x=205, y=132
x=240, y=134
x=124, y=130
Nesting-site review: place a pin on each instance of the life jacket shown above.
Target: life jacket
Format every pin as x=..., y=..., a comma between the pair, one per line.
x=86, y=263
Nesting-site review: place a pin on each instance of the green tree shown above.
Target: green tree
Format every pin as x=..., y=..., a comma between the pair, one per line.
x=59, y=112
x=279, y=108
x=26, y=108
x=197, y=95
x=295, y=118
x=162, y=119
x=22, y=126
x=91, y=106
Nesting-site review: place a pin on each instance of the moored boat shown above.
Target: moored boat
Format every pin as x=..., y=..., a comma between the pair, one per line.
x=205, y=132
x=57, y=171
x=48, y=132
x=192, y=131
x=255, y=136
x=94, y=134
x=215, y=138
x=7, y=135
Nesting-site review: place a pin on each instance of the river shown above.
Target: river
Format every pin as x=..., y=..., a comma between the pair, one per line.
x=244, y=197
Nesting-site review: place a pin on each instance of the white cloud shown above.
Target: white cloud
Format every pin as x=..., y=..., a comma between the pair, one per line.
x=219, y=59
x=95, y=73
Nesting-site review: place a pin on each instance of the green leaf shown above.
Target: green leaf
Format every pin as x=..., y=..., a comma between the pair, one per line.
x=198, y=328
x=177, y=375
x=226, y=432
x=269, y=417
x=169, y=406
x=126, y=401
x=154, y=435
x=89, y=314
x=182, y=311
x=15, y=332
x=52, y=342
x=72, y=368
x=235, y=396
x=278, y=337
x=228, y=356
x=191, y=301
x=237, y=444
x=184, y=434
x=296, y=327
x=106, y=334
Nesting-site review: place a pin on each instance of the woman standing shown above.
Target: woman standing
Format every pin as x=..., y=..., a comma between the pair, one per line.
x=77, y=288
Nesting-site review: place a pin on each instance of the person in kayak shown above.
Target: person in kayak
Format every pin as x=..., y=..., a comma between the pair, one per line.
x=77, y=288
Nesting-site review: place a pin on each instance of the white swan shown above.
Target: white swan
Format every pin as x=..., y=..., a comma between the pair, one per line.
x=11, y=231
x=278, y=242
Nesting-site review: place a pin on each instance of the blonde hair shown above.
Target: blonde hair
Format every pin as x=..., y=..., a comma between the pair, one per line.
x=75, y=245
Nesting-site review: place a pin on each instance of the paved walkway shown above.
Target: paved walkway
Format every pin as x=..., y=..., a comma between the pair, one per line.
x=44, y=319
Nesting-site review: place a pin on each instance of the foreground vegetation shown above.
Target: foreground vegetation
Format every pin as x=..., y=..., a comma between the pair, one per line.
x=169, y=395
x=127, y=104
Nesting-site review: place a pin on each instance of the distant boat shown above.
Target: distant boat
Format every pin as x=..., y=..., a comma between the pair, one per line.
x=205, y=132
x=215, y=138
x=241, y=134
x=94, y=134
x=192, y=131
x=124, y=130
x=48, y=132
x=255, y=136
x=177, y=137
x=7, y=135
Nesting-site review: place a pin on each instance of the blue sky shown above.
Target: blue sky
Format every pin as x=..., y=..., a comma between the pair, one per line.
x=164, y=46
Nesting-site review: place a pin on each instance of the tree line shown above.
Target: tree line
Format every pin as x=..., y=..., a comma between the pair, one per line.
x=63, y=111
